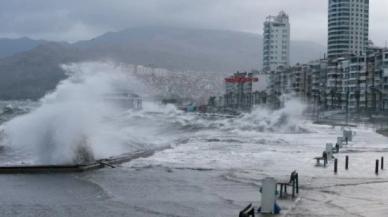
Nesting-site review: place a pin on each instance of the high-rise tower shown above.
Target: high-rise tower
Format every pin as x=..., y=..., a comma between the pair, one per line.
x=276, y=42
x=348, y=27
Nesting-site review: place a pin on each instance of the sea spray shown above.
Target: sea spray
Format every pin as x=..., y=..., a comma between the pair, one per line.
x=288, y=119
x=74, y=120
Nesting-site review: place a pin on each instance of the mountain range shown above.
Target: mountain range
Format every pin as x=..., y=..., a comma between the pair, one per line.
x=9, y=47
x=30, y=68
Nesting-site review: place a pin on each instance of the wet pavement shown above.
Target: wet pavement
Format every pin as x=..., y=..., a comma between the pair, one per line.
x=125, y=192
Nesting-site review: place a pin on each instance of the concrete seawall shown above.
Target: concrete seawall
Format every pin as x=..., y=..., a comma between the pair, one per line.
x=76, y=168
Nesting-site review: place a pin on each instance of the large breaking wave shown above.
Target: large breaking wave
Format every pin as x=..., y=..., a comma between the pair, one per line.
x=75, y=123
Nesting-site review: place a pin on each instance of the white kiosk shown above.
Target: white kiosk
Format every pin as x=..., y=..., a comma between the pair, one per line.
x=329, y=151
x=340, y=141
x=268, y=196
x=348, y=134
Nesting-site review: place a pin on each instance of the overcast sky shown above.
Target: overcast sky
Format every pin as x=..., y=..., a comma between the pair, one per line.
x=72, y=20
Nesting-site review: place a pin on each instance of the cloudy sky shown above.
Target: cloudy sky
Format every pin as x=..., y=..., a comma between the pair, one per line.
x=72, y=20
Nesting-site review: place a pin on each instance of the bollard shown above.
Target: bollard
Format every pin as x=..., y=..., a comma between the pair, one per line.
x=324, y=155
x=297, y=182
x=346, y=162
x=335, y=166
x=293, y=188
x=377, y=167
x=382, y=163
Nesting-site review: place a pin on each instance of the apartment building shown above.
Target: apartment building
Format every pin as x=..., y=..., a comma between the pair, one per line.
x=276, y=42
x=348, y=28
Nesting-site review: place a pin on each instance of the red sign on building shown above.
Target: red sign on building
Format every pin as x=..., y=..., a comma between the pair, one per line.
x=240, y=79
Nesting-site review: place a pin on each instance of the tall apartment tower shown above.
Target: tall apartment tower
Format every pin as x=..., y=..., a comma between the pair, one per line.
x=276, y=42
x=348, y=27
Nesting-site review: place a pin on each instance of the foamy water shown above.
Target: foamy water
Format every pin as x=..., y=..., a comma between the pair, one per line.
x=75, y=123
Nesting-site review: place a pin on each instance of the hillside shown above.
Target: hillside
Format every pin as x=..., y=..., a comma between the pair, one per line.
x=191, y=49
x=9, y=47
x=32, y=73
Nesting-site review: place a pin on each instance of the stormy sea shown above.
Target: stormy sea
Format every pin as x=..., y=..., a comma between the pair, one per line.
x=206, y=164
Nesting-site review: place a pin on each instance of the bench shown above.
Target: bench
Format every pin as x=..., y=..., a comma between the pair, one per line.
x=319, y=159
x=293, y=182
x=248, y=211
x=323, y=158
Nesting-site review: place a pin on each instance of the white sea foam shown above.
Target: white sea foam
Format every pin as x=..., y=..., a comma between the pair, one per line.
x=74, y=122
x=289, y=119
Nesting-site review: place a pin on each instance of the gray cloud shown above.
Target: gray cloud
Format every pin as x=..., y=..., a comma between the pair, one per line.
x=72, y=20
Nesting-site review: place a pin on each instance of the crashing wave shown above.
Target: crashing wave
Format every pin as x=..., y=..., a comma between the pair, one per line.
x=289, y=119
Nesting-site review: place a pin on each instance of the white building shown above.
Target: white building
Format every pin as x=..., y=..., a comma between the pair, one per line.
x=348, y=28
x=276, y=42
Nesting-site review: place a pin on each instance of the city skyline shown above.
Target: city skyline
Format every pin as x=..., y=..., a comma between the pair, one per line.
x=74, y=20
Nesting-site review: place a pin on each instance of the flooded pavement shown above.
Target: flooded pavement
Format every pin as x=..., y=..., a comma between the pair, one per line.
x=217, y=178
